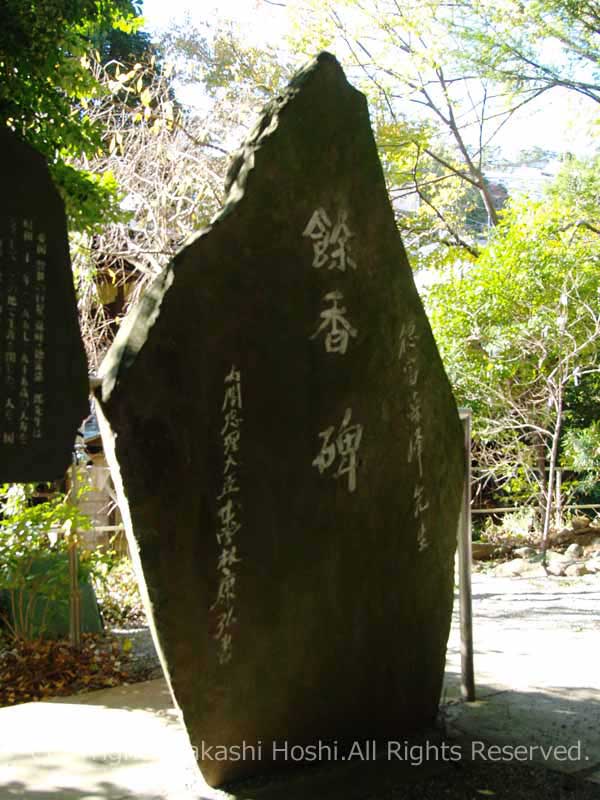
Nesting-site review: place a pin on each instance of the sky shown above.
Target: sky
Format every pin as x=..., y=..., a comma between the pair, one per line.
x=553, y=123
x=262, y=22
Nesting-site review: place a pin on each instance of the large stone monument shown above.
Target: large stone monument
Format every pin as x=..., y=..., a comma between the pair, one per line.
x=43, y=368
x=290, y=451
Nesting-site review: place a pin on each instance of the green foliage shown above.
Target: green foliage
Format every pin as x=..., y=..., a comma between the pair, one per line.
x=515, y=530
x=519, y=329
x=168, y=159
x=435, y=121
x=92, y=199
x=33, y=542
x=126, y=47
x=581, y=443
x=439, y=214
x=215, y=55
x=578, y=188
x=46, y=86
x=513, y=294
x=533, y=46
x=443, y=82
x=582, y=447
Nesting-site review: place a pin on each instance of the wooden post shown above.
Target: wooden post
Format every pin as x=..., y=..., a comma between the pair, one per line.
x=74, y=594
x=467, y=683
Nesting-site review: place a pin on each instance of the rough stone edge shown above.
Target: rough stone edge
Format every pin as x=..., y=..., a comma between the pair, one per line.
x=134, y=332
x=14, y=142
x=26, y=154
x=108, y=441
x=242, y=161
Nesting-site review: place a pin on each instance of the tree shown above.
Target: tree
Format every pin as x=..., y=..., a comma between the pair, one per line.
x=533, y=46
x=520, y=329
x=435, y=119
x=444, y=81
x=214, y=55
x=47, y=88
x=170, y=162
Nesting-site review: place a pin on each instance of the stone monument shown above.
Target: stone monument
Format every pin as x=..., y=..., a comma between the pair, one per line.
x=43, y=368
x=291, y=453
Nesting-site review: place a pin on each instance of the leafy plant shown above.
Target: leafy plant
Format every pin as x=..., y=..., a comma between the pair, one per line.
x=519, y=333
x=47, y=89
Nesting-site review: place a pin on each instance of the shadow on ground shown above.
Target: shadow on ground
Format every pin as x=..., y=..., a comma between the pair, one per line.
x=459, y=779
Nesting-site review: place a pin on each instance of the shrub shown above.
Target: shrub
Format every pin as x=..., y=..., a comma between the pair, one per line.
x=516, y=529
x=34, y=570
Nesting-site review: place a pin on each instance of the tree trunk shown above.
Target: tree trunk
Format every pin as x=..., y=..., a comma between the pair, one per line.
x=540, y=458
x=488, y=202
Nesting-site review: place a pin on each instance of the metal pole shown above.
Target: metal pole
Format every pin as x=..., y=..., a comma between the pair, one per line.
x=74, y=595
x=467, y=684
x=558, y=502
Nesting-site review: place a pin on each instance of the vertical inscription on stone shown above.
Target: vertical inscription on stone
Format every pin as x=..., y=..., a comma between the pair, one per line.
x=330, y=242
x=23, y=251
x=228, y=514
x=335, y=327
x=408, y=356
x=331, y=249
x=344, y=446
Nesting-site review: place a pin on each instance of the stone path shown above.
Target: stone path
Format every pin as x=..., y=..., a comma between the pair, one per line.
x=143, y=657
x=536, y=667
x=537, y=682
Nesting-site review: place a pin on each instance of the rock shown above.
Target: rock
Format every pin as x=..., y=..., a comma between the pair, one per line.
x=554, y=555
x=556, y=563
x=533, y=570
x=525, y=552
x=482, y=551
x=44, y=384
x=290, y=449
x=584, y=537
x=580, y=523
x=519, y=567
x=574, y=551
x=575, y=570
x=511, y=569
x=564, y=536
x=593, y=565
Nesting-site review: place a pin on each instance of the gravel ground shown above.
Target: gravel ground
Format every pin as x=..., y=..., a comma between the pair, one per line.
x=537, y=610
x=389, y=780
x=144, y=662
x=543, y=605
x=499, y=781
x=532, y=634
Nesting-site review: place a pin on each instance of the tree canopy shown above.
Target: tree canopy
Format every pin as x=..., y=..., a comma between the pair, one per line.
x=519, y=330
x=46, y=87
x=514, y=301
x=533, y=46
x=444, y=81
